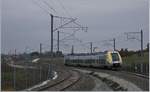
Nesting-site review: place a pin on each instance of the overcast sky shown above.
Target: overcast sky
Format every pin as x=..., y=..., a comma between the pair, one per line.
x=26, y=25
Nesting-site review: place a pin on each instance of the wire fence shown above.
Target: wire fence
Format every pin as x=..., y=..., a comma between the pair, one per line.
x=22, y=77
x=137, y=68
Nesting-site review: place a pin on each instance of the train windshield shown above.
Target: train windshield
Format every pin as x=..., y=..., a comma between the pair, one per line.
x=115, y=56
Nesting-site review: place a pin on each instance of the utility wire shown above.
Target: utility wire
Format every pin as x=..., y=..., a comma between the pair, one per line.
x=50, y=7
x=47, y=4
x=46, y=11
x=64, y=8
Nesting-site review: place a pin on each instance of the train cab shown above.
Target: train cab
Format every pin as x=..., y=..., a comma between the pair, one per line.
x=115, y=58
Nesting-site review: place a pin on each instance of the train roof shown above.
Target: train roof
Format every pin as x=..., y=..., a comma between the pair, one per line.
x=85, y=54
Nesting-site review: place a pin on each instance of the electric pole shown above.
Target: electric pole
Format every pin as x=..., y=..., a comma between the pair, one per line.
x=114, y=44
x=142, y=43
x=72, y=50
x=91, y=47
x=58, y=41
x=15, y=52
x=51, y=34
x=40, y=48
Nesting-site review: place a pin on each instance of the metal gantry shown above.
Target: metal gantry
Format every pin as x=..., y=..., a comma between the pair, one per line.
x=63, y=26
x=141, y=38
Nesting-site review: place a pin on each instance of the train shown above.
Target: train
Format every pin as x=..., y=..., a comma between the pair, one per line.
x=107, y=59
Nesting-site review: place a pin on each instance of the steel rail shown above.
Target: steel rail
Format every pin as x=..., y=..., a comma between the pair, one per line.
x=69, y=81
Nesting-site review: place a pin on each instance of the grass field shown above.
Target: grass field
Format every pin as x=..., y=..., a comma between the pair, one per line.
x=57, y=61
x=136, y=59
x=24, y=78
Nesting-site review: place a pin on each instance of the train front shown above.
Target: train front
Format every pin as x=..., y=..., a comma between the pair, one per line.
x=114, y=59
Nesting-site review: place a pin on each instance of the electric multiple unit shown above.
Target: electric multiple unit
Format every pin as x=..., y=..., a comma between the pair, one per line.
x=99, y=59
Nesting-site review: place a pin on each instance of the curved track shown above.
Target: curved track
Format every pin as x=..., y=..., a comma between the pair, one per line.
x=67, y=82
x=140, y=81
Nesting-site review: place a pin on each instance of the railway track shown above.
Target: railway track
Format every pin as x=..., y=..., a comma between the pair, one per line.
x=67, y=82
x=140, y=81
x=136, y=74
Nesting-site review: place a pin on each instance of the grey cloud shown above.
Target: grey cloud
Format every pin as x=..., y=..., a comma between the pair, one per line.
x=25, y=24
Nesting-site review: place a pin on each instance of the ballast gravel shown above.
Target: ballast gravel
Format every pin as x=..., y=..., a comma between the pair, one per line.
x=124, y=83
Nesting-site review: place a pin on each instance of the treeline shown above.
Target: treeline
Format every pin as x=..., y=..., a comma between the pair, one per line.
x=47, y=54
x=29, y=56
x=125, y=52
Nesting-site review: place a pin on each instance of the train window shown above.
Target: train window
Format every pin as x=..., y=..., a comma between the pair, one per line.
x=67, y=61
x=81, y=61
x=115, y=56
x=98, y=61
x=95, y=61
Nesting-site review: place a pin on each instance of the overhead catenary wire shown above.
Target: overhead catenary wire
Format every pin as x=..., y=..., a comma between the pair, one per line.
x=63, y=7
x=50, y=7
x=39, y=5
x=47, y=9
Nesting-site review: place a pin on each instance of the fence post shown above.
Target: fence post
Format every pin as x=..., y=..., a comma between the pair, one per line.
x=26, y=77
x=48, y=76
x=50, y=72
x=45, y=76
x=147, y=69
x=130, y=68
x=141, y=68
x=144, y=68
x=14, y=78
x=40, y=74
x=33, y=77
x=135, y=68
